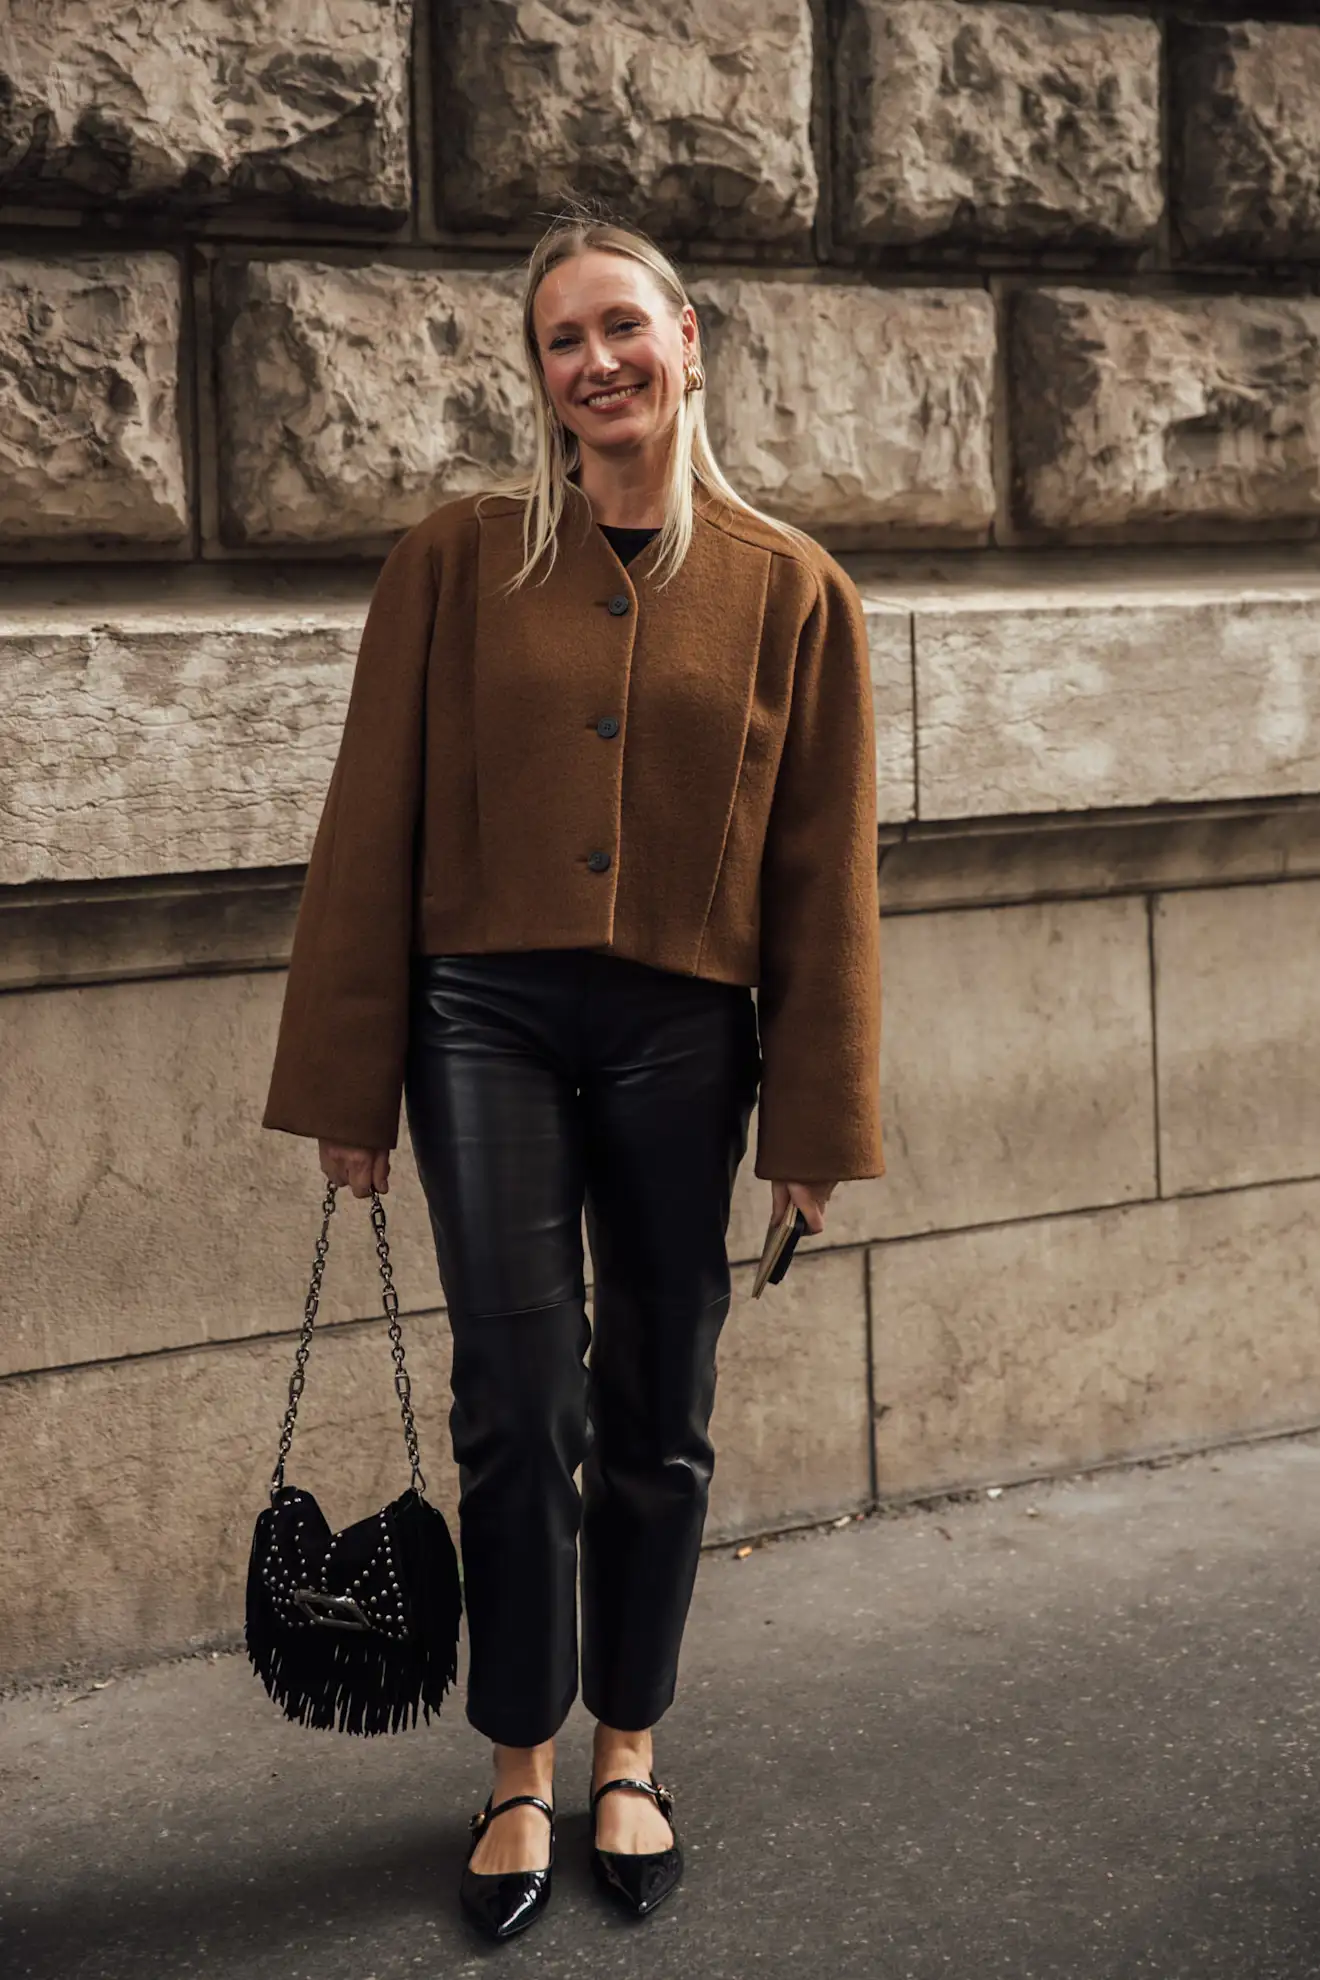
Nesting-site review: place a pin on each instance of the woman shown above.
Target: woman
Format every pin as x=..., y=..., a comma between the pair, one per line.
x=608, y=763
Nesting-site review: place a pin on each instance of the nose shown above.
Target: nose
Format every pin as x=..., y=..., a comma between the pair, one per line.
x=601, y=361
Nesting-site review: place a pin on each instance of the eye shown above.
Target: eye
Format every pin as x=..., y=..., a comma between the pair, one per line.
x=629, y=323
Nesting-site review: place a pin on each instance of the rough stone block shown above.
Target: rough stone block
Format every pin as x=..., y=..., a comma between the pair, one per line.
x=1016, y=1068
x=1246, y=119
x=1037, y=706
x=791, y=1420
x=1147, y=414
x=143, y=1206
x=142, y=1480
x=695, y=123
x=1023, y=1348
x=354, y=400
x=1006, y=125
x=89, y=418
x=195, y=104
x=168, y=741
x=1237, y=975
x=853, y=411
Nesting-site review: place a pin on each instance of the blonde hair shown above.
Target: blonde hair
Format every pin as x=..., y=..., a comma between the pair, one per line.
x=544, y=488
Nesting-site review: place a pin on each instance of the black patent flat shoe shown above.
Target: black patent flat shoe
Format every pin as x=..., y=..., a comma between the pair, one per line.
x=639, y=1883
x=510, y=1900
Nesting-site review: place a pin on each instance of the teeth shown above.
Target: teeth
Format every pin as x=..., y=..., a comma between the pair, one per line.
x=609, y=398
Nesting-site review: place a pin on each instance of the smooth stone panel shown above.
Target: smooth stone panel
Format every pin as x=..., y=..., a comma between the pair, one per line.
x=1016, y=1070
x=1246, y=120
x=353, y=401
x=791, y=1426
x=207, y=105
x=694, y=122
x=860, y=414
x=1005, y=125
x=1036, y=706
x=1237, y=976
x=90, y=442
x=1025, y=1348
x=159, y=742
x=1142, y=415
x=143, y=1205
x=133, y=1487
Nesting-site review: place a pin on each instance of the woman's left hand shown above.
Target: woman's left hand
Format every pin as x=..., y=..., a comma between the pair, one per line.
x=810, y=1197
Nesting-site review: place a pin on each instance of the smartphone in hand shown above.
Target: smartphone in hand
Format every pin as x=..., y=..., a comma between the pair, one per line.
x=780, y=1244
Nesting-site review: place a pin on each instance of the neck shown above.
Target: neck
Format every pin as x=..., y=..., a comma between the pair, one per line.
x=627, y=493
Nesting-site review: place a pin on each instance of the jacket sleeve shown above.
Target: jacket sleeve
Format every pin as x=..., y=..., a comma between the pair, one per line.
x=818, y=999
x=339, y=1058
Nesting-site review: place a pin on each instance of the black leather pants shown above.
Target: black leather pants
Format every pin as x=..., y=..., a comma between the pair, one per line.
x=536, y=1082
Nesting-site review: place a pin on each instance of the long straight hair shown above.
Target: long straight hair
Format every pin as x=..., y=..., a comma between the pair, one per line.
x=545, y=488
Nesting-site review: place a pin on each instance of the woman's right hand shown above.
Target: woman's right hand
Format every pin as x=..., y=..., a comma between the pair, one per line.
x=358, y=1169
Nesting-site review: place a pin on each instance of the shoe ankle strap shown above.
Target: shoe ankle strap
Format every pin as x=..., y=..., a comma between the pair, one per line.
x=486, y=1815
x=661, y=1796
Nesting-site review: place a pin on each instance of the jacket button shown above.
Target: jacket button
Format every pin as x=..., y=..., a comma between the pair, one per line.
x=608, y=726
x=619, y=605
x=598, y=862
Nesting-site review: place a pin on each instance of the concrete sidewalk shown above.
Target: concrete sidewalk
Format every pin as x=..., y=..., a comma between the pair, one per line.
x=1069, y=1732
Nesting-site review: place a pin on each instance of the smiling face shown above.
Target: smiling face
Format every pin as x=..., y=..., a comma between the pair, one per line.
x=612, y=350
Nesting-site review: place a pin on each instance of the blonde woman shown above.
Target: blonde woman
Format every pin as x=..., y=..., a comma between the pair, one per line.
x=608, y=764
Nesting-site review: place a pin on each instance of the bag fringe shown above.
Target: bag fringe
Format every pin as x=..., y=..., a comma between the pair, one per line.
x=363, y=1682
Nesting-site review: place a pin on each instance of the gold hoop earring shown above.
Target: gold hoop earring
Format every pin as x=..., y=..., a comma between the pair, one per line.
x=694, y=378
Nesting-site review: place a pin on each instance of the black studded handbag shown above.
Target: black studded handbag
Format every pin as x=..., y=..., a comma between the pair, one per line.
x=353, y=1630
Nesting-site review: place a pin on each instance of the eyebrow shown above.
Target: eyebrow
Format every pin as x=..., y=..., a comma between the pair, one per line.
x=572, y=323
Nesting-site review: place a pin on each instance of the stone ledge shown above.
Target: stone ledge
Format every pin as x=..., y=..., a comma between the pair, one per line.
x=210, y=923
x=1093, y=684
x=192, y=726
x=164, y=742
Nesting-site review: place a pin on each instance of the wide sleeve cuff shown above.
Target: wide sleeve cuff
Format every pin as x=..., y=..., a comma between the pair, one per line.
x=339, y=1058
x=818, y=999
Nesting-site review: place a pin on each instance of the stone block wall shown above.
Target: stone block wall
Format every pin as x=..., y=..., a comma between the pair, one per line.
x=1016, y=306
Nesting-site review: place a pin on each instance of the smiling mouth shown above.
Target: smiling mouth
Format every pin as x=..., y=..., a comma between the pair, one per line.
x=617, y=397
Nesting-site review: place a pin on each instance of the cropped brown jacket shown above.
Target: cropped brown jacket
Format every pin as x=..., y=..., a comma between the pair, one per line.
x=682, y=776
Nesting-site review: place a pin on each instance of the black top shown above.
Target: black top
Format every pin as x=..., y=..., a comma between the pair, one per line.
x=625, y=543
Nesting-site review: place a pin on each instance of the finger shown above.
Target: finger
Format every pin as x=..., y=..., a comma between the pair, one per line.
x=380, y=1171
x=359, y=1174
x=804, y=1195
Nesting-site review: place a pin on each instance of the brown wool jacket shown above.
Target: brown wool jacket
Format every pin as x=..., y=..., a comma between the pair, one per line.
x=685, y=777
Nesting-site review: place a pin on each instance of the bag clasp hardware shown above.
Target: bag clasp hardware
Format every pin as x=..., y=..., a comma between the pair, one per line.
x=335, y=1611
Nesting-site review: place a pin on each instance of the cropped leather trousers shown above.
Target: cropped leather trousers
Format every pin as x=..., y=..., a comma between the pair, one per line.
x=539, y=1084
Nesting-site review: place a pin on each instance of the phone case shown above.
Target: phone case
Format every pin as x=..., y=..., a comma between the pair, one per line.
x=780, y=1244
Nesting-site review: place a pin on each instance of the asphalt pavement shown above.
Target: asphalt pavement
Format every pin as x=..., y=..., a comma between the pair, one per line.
x=1066, y=1733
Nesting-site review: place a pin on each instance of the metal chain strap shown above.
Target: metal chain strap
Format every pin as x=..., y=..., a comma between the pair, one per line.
x=390, y=1298
x=402, y=1386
